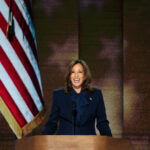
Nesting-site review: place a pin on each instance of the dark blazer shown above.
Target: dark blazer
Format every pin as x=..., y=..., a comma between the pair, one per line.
x=62, y=115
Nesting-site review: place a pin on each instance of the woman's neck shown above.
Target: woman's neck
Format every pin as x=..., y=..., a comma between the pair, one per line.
x=78, y=90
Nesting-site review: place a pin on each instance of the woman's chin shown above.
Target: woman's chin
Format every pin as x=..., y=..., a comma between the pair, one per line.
x=77, y=86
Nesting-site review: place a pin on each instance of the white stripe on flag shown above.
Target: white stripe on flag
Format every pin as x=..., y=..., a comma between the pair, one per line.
x=17, y=98
x=22, y=6
x=20, y=70
x=23, y=42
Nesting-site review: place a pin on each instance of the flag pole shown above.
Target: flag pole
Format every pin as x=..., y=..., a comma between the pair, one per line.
x=10, y=26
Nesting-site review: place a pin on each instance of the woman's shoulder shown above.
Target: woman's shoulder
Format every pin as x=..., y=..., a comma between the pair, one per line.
x=98, y=90
x=94, y=90
x=59, y=91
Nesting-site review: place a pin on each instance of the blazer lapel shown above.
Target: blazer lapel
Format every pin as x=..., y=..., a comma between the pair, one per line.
x=84, y=100
x=83, y=109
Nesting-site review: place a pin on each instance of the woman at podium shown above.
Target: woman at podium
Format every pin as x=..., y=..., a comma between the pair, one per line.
x=76, y=106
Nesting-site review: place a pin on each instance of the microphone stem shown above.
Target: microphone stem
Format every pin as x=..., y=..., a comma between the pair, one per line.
x=74, y=115
x=74, y=124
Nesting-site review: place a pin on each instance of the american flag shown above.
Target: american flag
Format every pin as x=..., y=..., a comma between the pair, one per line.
x=21, y=97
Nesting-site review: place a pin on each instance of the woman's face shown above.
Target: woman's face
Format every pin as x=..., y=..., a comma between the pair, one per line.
x=77, y=76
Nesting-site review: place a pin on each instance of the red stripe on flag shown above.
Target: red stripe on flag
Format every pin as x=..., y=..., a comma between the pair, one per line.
x=25, y=28
x=11, y=105
x=23, y=58
x=18, y=82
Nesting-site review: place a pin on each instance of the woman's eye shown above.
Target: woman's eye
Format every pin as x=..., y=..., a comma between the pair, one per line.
x=76, y=72
x=80, y=72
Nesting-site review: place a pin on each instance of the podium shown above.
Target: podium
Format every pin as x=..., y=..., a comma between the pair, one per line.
x=72, y=142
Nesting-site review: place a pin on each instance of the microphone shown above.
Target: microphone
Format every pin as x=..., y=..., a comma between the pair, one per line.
x=74, y=112
x=74, y=108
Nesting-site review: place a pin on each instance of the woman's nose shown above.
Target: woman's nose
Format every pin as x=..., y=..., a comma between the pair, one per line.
x=76, y=74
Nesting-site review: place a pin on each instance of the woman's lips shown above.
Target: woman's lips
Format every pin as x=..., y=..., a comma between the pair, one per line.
x=76, y=80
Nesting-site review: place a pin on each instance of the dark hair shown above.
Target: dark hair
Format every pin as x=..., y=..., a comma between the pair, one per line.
x=86, y=84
